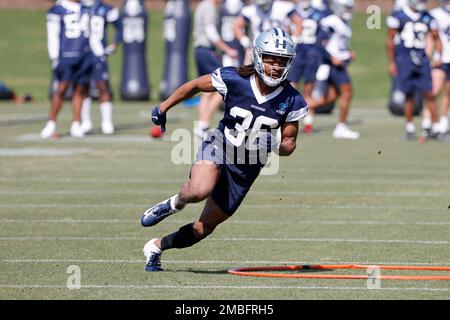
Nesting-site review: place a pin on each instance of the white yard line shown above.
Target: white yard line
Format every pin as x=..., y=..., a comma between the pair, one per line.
x=77, y=192
x=244, y=239
x=259, y=222
x=32, y=137
x=42, y=152
x=262, y=206
x=222, y=262
x=205, y=287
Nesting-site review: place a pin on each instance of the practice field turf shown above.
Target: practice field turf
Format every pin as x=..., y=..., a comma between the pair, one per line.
x=378, y=200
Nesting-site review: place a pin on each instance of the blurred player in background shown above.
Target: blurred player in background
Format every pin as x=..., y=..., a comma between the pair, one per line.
x=408, y=60
x=259, y=100
x=336, y=56
x=101, y=15
x=441, y=74
x=399, y=4
x=207, y=42
x=307, y=59
x=264, y=14
x=229, y=11
x=68, y=49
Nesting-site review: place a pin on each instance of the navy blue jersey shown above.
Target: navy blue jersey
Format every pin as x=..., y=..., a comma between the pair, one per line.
x=412, y=29
x=311, y=31
x=100, y=15
x=249, y=116
x=67, y=30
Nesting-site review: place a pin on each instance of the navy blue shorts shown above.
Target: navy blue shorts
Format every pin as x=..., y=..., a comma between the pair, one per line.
x=305, y=65
x=446, y=68
x=412, y=77
x=339, y=76
x=207, y=61
x=100, y=69
x=74, y=70
x=235, y=180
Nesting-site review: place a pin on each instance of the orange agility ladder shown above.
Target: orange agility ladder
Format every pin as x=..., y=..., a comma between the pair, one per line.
x=268, y=272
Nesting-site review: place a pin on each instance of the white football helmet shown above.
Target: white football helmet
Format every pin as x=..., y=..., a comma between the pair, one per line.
x=418, y=5
x=445, y=4
x=273, y=42
x=343, y=8
x=305, y=4
x=265, y=5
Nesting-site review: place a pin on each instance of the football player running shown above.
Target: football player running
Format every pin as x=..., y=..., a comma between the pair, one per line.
x=441, y=74
x=333, y=71
x=207, y=41
x=258, y=101
x=68, y=49
x=408, y=60
x=100, y=15
x=262, y=15
x=307, y=59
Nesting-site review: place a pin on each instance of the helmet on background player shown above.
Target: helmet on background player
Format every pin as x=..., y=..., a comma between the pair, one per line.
x=343, y=8
x=273, y=42
x=233, y=6
x=265, y=5
x=418, y=5
x=445, y=4
x=305, y=4
x=89, y=3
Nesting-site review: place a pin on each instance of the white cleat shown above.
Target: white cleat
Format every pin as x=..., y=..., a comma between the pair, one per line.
x=76, y=131
x=86, y=126
x=49, y=130
x=343, y=132
x=107, y=127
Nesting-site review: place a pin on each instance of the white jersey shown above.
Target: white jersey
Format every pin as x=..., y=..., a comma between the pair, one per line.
x=206, y=20
x=340, y=34
x=442, y=18
x=277, y=17
x=399, y=4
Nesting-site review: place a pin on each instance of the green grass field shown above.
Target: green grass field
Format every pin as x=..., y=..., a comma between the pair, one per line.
x=378, y=200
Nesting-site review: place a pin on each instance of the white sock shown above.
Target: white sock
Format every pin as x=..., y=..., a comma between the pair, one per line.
x=426, y=123
x=436, y=127
x=173, y=200
x=309, y=119
x=203, y=125
x=106, y=111
x=86, y=110
x=443, y=123
x=410, y=127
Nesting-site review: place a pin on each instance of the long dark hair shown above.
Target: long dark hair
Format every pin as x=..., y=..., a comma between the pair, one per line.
x=246, y=70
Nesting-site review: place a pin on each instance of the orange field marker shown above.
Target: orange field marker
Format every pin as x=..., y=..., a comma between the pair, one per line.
x=262, y=272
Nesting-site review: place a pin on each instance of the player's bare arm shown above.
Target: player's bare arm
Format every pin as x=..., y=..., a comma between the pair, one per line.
x=239, y=32
x=390, y=51
x=188, y=90
x=437, y=46
x=289, y=132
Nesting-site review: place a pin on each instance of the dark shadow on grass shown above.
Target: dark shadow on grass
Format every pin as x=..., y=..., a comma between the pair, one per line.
x=212, y=272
